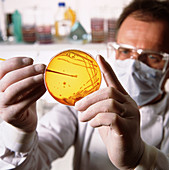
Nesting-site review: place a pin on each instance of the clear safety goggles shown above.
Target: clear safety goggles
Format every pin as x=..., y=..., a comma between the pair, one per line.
x=154, y=59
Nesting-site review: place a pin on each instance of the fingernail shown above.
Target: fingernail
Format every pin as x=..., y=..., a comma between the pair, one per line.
x=99, y=57
x=102, y=58
x=40, y=68
x=79, y=105
x=27, y=61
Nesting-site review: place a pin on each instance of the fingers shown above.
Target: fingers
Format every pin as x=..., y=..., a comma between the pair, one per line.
x=116, y=123
x=22, y=88
x=102, y=94
x=19, y=78
x=32, y=97
x=14, y=64
x=109, y=75
x=104, y=119
x=12, y=113
x=20, y=74
x=111, y=120
x=105, y=106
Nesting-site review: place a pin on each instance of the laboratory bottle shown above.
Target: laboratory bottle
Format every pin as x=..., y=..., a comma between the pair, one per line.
x=17, y=25
x=44, y=23
x=3, y=32
x=97, y=30
x=1, y=39
x=29, y=25
x=62, y=25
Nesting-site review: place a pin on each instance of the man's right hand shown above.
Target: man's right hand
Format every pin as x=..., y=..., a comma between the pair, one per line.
x=21, y=84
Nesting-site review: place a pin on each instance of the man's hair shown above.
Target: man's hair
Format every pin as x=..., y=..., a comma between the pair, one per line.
x=146, y=10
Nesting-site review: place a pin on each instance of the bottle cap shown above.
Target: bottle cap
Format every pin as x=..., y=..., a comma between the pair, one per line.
x=61, y=4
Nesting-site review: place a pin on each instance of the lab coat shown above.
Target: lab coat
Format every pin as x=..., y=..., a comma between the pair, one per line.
x=60, y=128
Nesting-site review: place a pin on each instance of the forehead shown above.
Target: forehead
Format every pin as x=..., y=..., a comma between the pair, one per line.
x=152, y=35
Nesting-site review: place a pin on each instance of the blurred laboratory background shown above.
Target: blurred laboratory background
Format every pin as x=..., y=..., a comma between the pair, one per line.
x=53, y=21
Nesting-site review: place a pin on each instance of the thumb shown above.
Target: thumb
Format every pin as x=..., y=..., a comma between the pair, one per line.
x=109, y=75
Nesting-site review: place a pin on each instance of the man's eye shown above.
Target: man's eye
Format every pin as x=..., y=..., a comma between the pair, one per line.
x=150, y=56
x=124, y=51
x=155, y=57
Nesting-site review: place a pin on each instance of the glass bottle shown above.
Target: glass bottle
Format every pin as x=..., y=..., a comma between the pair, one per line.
x=44, y=26
x=28, y=25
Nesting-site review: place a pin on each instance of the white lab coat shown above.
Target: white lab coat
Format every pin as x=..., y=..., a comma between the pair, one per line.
x=59, y=129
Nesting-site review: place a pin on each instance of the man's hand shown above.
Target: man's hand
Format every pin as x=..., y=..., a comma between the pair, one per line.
x=21, y=84
x=117, y=116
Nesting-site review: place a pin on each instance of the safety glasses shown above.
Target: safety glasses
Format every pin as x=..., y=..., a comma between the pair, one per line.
x=154, y=59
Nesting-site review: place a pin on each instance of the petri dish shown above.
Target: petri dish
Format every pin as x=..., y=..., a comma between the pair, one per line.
x=72, y=75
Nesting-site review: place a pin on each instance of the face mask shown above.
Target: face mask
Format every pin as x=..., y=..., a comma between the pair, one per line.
x=142, y=82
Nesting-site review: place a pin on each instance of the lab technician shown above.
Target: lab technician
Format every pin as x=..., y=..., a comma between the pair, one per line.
x=108, y=128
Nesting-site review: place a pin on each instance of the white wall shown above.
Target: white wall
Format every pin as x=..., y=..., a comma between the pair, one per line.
x=85, y=9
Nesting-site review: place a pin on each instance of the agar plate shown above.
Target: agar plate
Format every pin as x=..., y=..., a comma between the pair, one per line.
x=72, y=75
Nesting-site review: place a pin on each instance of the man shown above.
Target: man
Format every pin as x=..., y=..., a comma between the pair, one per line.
x=142, y=45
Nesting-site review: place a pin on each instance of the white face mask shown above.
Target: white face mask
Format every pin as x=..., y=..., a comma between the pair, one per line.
x=142, y=82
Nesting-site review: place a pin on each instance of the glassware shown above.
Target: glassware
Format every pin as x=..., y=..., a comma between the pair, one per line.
x=62, y=25
x=111, y=24
x=78, y=33
x=44, y=26
x=97, y=28
x=3, y=30
x=17, y=25
x=28, y=25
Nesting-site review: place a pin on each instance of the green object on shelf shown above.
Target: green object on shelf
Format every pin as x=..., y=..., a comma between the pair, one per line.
x=17, y=25
x=78, y=33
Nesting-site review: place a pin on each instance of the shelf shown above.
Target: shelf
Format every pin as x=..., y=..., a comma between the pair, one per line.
x=5, y=46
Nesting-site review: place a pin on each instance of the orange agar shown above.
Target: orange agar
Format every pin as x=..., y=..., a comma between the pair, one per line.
x=72, y=75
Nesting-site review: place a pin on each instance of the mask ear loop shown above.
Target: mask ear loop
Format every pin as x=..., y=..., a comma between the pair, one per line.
x=164, y=72
x=165, y=66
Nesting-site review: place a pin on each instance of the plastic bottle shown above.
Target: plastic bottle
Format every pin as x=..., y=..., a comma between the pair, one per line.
x=17, y=25
x=62, y=25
